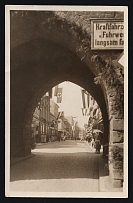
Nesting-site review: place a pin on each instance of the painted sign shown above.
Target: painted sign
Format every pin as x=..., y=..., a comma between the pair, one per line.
x=107, y=34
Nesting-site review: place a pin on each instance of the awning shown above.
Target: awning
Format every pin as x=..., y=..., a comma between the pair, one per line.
x=97, y=131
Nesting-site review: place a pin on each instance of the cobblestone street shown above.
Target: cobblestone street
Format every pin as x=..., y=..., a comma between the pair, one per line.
x=70, y=166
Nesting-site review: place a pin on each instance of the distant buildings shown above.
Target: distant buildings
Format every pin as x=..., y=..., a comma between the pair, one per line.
x=48, y=122
x=70, y=125
x=82, y=134
x=41, y=119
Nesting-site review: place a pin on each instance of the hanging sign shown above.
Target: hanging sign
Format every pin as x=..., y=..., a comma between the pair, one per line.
x=107, y=34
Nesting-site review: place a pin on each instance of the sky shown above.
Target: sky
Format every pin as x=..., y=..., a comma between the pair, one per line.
x=72, y=102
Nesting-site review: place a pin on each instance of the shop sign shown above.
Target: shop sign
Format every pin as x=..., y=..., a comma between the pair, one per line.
x=107, y=34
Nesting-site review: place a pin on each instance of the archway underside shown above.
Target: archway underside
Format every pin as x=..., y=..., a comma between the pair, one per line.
x=37, y=66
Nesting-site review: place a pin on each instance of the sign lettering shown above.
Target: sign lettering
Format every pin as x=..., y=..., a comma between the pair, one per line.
x=107, y=35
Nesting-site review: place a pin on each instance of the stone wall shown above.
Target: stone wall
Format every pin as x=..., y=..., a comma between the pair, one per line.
x=82, y=18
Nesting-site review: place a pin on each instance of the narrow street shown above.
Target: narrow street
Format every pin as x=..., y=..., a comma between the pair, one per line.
x=70, y=166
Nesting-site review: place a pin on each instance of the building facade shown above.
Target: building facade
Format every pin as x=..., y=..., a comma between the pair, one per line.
x=41, y=119
x=53, y=120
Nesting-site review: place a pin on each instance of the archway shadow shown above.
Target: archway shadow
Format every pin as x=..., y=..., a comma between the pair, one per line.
x=59, y=163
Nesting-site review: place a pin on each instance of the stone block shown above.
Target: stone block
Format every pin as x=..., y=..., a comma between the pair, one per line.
x=117, y=124
x=68, y=15
x=116, y=137
x=119, y=15
x=81, y=13
x=111, y=103
x=76, y=17
x=85, y=25
x=118, y=116
x=80, y=22
x=109, y=15
x=113, y=112
x=117, y=183
x=112, y=98
x=118, y=174
x=110, y=108
x=118, y=165
x=88, y=30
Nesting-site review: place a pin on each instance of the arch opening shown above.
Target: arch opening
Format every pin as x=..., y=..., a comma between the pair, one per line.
x=67, y=101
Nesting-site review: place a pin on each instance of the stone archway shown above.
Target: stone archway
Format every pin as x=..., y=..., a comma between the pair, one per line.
x=38, y=75
x=43, y=56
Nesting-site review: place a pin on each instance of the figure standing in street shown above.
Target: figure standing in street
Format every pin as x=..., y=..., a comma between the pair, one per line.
x=59, y=136
x=64, y=138
x=92, y=143
x=37, y=137
x=98, y=143
x=47, y=138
